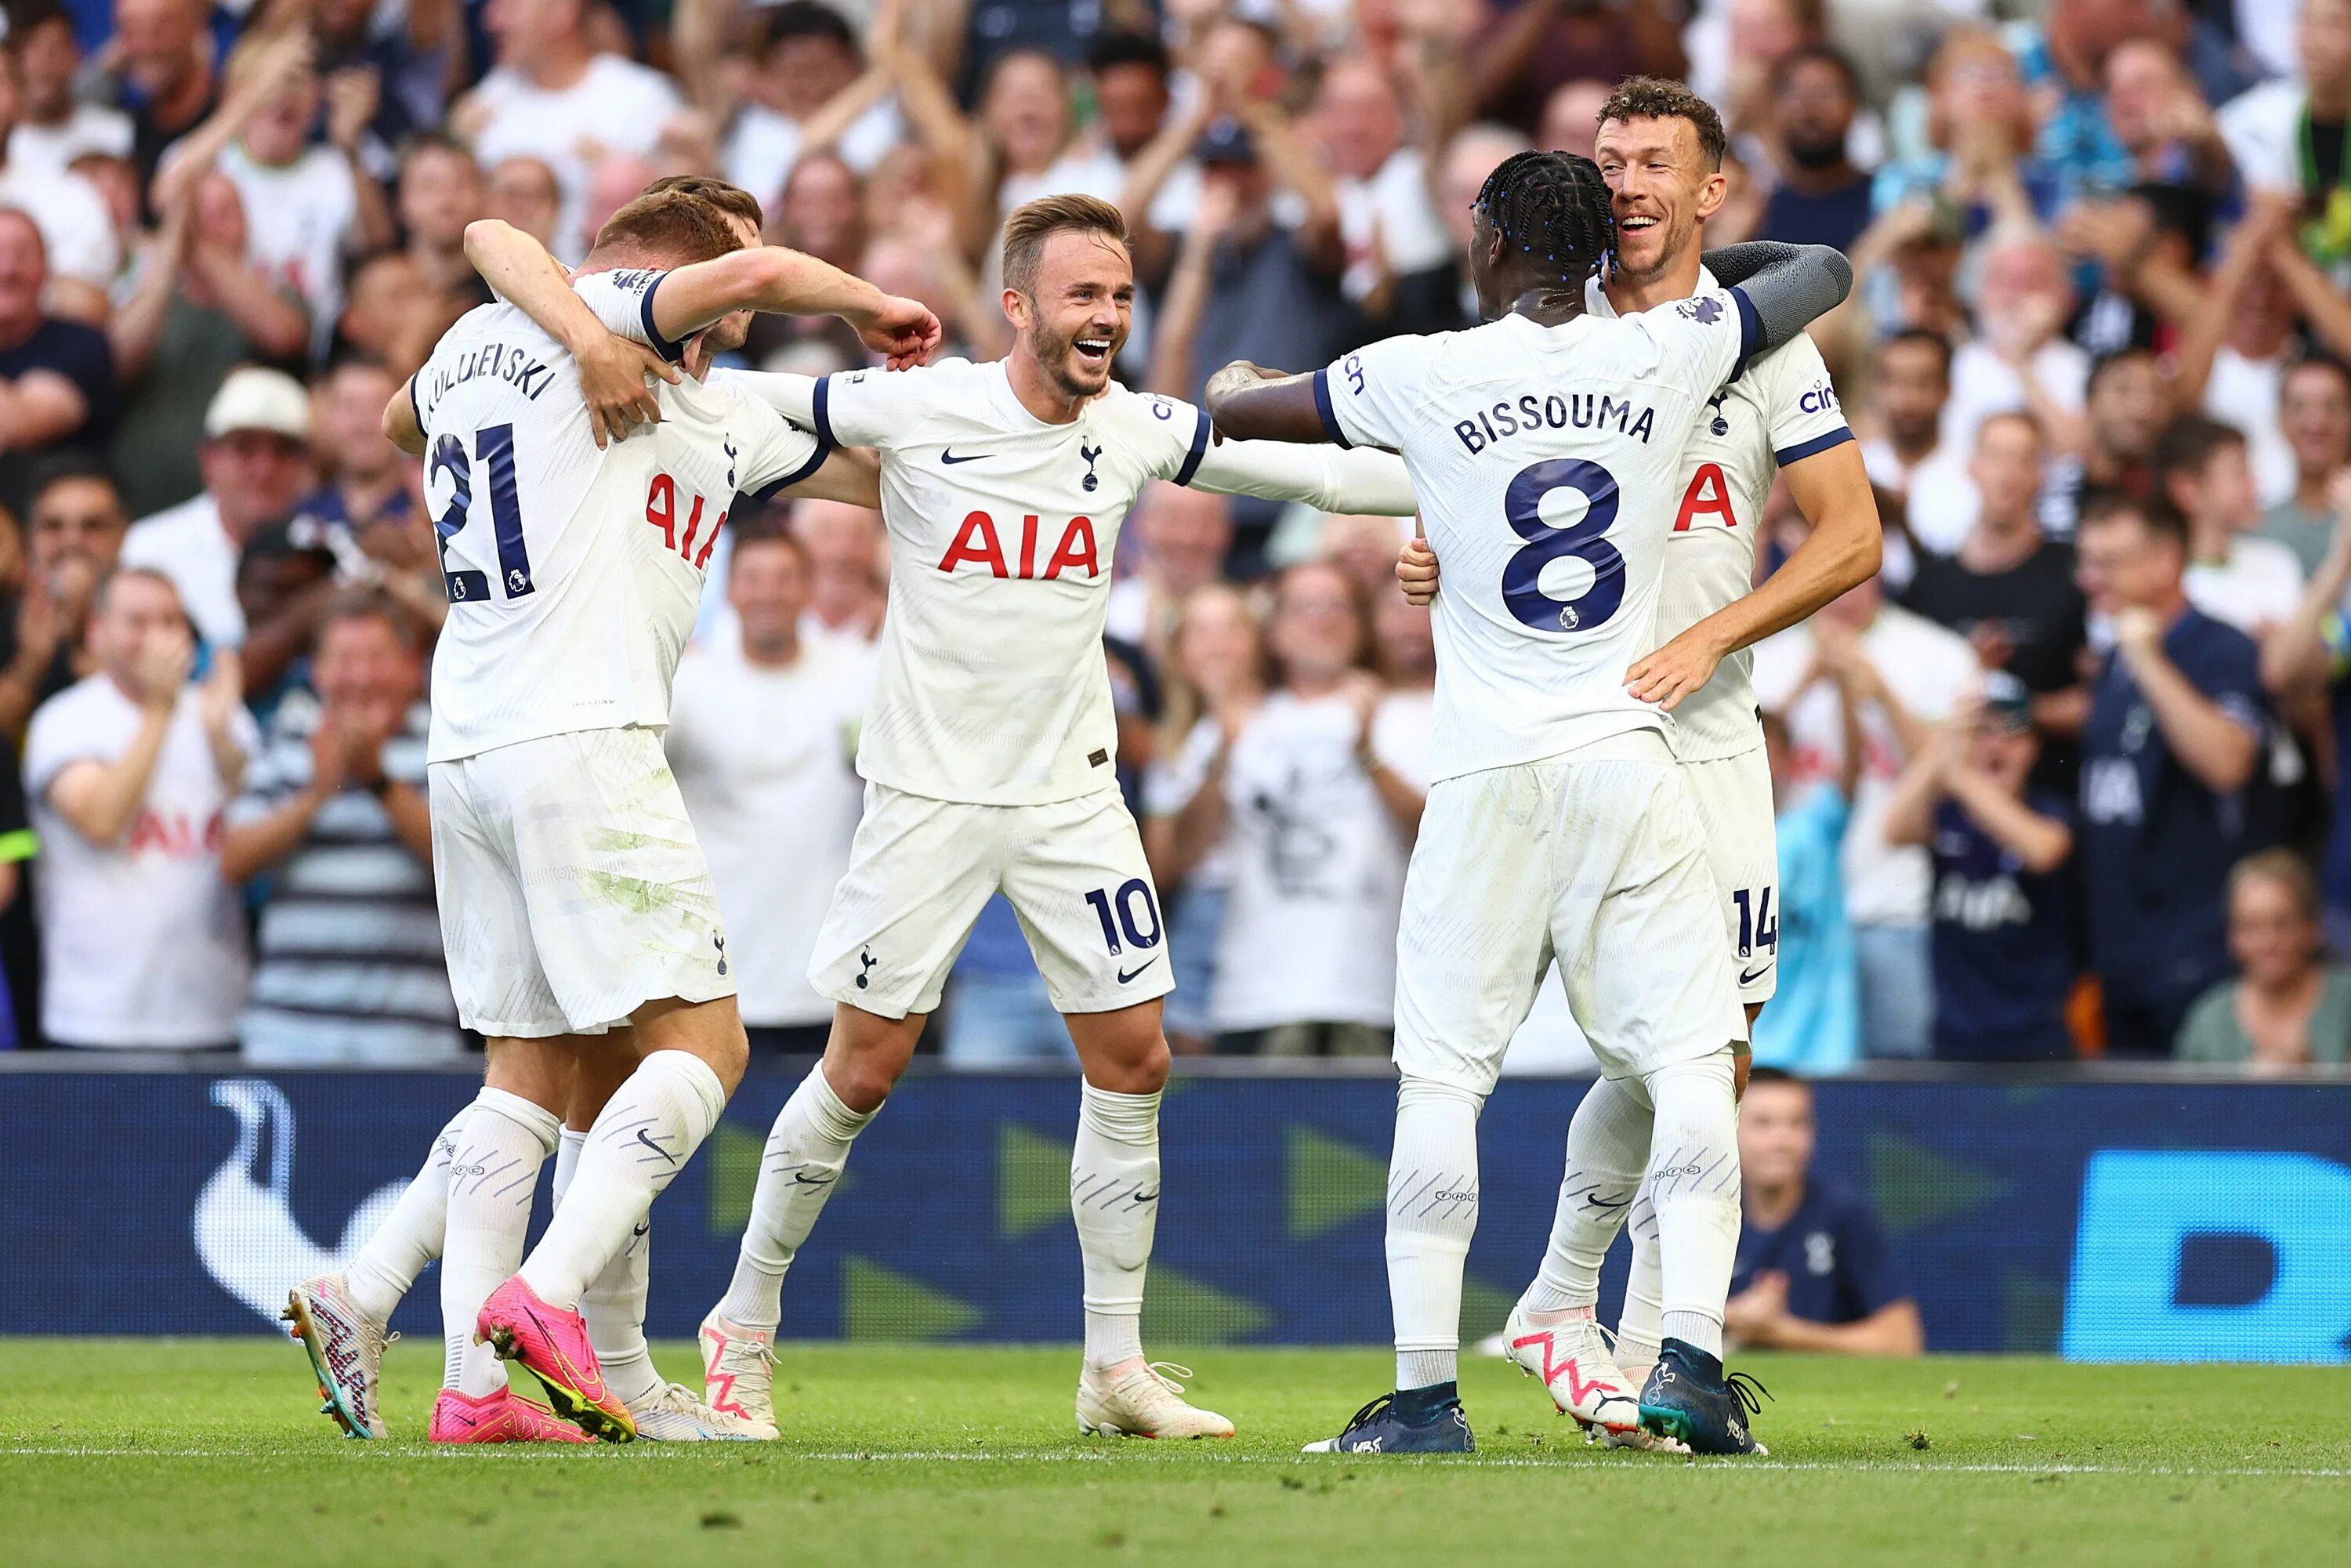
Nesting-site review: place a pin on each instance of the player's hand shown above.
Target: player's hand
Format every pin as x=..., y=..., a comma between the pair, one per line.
x=613, y=372
x=904, y=331
x=1674, y=671
x=1416, y=570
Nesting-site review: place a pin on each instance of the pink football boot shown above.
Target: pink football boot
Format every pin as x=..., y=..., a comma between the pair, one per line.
x=552, y=1343
x=505, y=1416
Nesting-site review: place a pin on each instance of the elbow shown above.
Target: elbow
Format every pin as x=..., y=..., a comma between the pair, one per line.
x=483, y=237
x=1839, y=269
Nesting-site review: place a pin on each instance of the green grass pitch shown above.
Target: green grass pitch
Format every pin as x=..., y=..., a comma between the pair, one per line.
x=116, y=1451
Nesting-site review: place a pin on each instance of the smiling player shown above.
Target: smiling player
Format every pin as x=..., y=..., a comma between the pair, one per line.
x=1546, y=443
x=1660, y=149
x=989, y=757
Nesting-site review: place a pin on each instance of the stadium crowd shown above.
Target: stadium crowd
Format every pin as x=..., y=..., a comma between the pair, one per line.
x=2068, y=778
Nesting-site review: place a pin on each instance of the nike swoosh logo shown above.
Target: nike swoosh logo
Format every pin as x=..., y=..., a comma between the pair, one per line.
x=1140, y=1198
x=804, y=1179
x=647, y=1141
x=947, y=455
x=1126, y=974
x=1749, y=977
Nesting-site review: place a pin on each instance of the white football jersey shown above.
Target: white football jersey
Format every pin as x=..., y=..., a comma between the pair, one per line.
x=573, y=574
x=1781, y=409
x=1548, y=462
x=992, y=689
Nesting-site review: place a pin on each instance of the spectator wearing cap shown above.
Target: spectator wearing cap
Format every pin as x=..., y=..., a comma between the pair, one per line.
x=130, y=771
x=2003, y=906
x=2173, y=792
x=2233, y=574
x=1822, y=198
x=76, y=233
x=762, y=738
x=56, y=377
x=554, y=91
x=1813, y=1271
x=2314, y=417
x=197, y=309
x=348, y=967
x=73, y=537
x=255, y=463
x=54, y=124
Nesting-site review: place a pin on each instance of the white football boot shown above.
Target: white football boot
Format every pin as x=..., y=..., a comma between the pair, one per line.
x=673, y=1414
x=1142, y=1401
x=738, y=1371
x=346, y=1350
x=1572, y=1360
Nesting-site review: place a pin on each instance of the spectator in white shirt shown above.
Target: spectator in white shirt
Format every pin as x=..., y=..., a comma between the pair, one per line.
x=56, y=127
x=806, y=87
x=1385, y=217
x=1907, y=454
x=2019, y=357
x=763, y=739
x=2234, y=575
x=76, y=228
x=130, y=772
x=555, y=97
x=256, y=463
x=1316, y=796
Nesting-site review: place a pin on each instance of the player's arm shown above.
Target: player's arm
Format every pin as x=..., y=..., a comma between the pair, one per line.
x=401, y=426
x=612, y=367
x=787, y=283
x=1780, y=289
x=1361, y=482
x=1832, y=489
x=1249, y=402
x=850, y=474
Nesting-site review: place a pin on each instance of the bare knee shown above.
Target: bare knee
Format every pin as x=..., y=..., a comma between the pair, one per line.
x=1124, y=1051
x=867, y=1054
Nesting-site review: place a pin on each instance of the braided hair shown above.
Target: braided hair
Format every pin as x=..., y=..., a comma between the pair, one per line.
x=1555, y=206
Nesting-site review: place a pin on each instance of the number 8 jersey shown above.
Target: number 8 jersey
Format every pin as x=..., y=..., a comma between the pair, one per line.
x=573, y=574
x=1548, y=461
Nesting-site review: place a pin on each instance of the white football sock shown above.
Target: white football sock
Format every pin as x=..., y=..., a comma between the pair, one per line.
x=411, y=1236
x=642, y=1139
x=1432, y=1214
x=1638, y=1326
x=806, y=1150
x=566, y=1162
x=1694, y=1183
x=614, y=1304
x=492, y=1179
x=1115, y=1197
x=1607, y=1145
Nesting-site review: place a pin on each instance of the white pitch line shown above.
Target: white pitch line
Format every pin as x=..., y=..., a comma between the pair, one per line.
x=1663, y=1463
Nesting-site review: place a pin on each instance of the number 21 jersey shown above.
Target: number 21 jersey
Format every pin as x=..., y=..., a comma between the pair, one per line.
x=573, y=574
x=1548, y=462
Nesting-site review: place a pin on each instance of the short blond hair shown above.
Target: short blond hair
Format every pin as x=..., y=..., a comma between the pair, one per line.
x=1033, y=223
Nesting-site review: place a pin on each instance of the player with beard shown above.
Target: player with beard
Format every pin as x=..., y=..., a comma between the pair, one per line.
x=1660, y=149
x=989, y=760
x=1547, y=445
x=578, y=914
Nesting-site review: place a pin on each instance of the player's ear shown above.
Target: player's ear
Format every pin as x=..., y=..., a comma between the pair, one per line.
x=1016, y=308
x=1713, y=193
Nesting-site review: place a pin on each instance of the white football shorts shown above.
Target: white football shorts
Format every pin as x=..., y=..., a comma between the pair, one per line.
x=572, y=890
x=920, y=871
x=1732, y=797
x=1594, y=859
